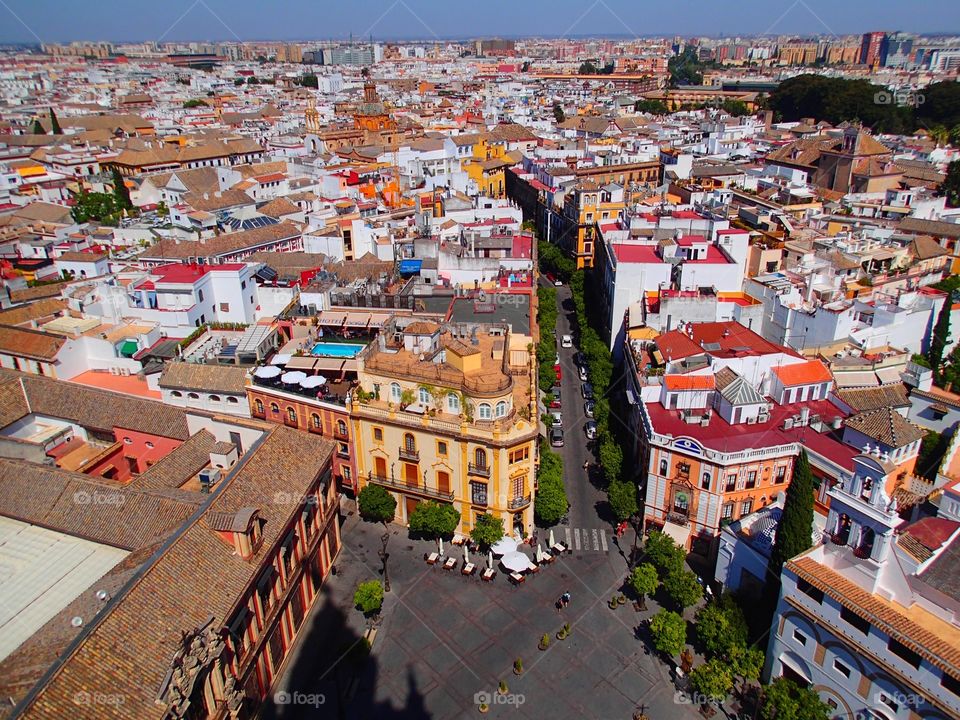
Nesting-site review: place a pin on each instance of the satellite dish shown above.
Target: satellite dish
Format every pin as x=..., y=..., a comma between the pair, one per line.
x=103, y=595
x=77, y=621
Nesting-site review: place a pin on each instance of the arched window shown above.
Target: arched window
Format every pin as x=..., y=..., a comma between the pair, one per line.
x=176, y=393
x=453, y=403
x=193, y=396
x=485, y=411
x=274, y=408
x=423, y=395
x=867, y=539
x=395, y=392
x=409, y=443
x=258, y=404
x=341, y=427
x=501, y=409
x=232, y=400
x=291, y=415
x=480, y=457
x=315, y=422
x=214, y=398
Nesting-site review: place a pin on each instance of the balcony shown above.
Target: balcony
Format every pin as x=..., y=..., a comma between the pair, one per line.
x=481, y=470
x=410, y=454
x=341, y=434
x=840, y=538
x=403, y=486
x=519, y=502
x=678, y=519
x=862, y=552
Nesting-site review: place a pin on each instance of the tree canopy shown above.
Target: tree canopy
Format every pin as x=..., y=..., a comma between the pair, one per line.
x=376, y=504
x=37, y=128
x=785, y=700
x=720, y=626
x=120, y=191
x=669, y=632
x=434, y=519
x=712, y=680
x=653, y=107
x=54, y=123
x=96, y=206
x=950, y=188
x=682, y=587
x=664, y=553
x=487, y=530
x=939, y=340
x=369, y=596
x=551, y=501
x=623, y=499
x=685, y=68
x=558, y=113
x=644, y=580
x=796, y=522
x=194, y=102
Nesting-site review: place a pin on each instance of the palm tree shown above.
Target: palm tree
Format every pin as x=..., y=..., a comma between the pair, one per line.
x=939, y=134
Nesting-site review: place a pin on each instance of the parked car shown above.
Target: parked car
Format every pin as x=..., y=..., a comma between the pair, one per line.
x=558, y=282
x=582, y=373
x=549, y=276
x=556, y=437
x=554, y=398
x=557, y=418
x=557, y=369
x=591, y=430
x=556, y=360
x=587, y=390
x=580, y=359
x=588, y=408
x=566, y=341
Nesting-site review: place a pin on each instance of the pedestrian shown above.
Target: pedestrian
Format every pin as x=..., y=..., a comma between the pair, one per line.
x=565, y=598
x=586, y=464
x=559, y=603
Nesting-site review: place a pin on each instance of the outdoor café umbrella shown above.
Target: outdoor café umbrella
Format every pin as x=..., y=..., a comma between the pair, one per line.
x=504, y=545
x=466, y=555
x=515, y=561
x=440, y=540
x=490, y=560
x=313, y=381
x=540, y=555
x=552, y=543
x=281, y=359
x=292, y=378
x=267, y=371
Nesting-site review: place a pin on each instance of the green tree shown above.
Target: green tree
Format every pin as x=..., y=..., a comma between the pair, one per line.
x=653, y=107
x=622, y=497
x=558, y=115
x=796, y=521
x=310, y=80
x=664, y=553
x=551, y=501
x=683, y=588
x=955, y=136
x=720, y=626
x=162, y=209
x=54, y=123
x=37, y=128
x=434, y=519
x=369, y=597
x=95, y=206
x=669, y=632
x=933, y=447
x=737, y=108
x=712, y=680
x=611, y=454
x=685, y=68
x=252, y=80
x=120, y=191
x=487, y=530
x=939, y=134
x=644, y=581
x=238, y=81
x=194, y=102
x=950, y=187
x=376, y=504
x=587, y=68
x=783, y=699
x=746, y=663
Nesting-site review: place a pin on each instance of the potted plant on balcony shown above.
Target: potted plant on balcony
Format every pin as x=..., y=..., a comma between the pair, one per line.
x=407, y=398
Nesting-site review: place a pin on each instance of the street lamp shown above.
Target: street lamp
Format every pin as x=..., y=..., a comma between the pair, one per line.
x=385, y=538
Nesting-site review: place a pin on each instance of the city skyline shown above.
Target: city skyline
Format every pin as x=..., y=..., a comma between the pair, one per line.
x=421, y=20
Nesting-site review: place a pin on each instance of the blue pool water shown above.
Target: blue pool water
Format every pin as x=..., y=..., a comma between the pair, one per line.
x=339, y=350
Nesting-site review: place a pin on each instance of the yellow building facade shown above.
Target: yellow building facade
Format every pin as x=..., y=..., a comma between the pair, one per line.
x=446, y=414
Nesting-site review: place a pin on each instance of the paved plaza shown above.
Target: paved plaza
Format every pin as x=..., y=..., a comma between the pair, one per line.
x=445, y=638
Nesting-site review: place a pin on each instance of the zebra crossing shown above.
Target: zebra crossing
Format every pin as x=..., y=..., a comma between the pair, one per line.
x=586, y=539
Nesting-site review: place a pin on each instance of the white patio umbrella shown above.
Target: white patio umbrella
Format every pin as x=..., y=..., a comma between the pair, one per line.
x=466, y=555
x=440, y=540
x=515, y=561
x=293, y=377
x=490, y=560
x=539, y=553
x=281, y=359
x=267, y=371
x=313, y=381
x=552, y=543
x=504, y=545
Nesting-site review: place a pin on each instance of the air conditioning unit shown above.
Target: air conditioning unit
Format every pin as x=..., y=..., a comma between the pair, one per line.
x=788, y=424
x=114, y=371
x=752, y=420
x=208, y=478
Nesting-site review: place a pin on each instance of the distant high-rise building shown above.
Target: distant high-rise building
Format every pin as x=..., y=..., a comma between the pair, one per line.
x=870, y=48
x=897, y=50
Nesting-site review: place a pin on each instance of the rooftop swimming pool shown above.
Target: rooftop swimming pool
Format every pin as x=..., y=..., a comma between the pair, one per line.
x=337, y=350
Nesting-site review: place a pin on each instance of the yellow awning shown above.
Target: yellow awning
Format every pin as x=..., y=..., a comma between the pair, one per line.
x=644, y=333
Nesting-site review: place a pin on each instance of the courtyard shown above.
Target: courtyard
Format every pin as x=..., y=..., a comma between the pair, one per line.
x=445, y=641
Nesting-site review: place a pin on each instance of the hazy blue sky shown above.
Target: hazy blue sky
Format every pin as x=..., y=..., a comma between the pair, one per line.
x=63, y=20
